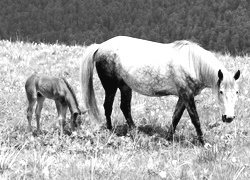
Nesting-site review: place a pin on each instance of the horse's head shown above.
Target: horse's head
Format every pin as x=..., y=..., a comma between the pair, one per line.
x=228, y=95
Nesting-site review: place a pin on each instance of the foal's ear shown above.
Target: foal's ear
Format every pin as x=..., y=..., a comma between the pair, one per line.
x=237, y=75
x=220, y=75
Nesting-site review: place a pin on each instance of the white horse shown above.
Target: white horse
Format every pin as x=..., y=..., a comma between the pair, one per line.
x=181, y=68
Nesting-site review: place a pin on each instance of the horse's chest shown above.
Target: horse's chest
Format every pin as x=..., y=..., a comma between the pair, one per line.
x=190, y=84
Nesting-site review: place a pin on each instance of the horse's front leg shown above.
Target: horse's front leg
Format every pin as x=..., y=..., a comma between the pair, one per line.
x=191, y=108
x=179, y=109
x=126, y=96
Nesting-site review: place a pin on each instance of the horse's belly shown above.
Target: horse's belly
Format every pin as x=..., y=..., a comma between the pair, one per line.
x=150, y=90
x=151, y=84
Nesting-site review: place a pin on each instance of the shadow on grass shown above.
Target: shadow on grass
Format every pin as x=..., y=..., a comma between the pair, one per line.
x=123, y=130
x=158, y=132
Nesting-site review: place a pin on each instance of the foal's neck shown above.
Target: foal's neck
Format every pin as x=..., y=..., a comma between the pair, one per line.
x=72, y=103
x=70, y=97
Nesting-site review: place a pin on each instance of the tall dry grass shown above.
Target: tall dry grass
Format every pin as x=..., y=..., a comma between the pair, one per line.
x=97, y=153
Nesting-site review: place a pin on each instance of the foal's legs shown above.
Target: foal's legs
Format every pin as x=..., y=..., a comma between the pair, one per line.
x=32, y=102
x=39, y=106
x=73, y=125
x=62, y=111
x=58, y=108
x=126, y=96
x=179, y=109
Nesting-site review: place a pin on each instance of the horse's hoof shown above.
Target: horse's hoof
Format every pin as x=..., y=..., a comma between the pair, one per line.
x=109, y=127
x=132, y=127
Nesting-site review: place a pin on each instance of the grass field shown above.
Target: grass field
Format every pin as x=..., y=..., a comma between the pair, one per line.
x=97, y=153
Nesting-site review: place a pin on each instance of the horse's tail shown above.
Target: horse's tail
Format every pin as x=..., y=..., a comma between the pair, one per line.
x=86, y=78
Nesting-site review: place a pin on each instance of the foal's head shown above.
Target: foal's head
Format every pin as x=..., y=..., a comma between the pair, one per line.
x=77, y=119
x=228, y=94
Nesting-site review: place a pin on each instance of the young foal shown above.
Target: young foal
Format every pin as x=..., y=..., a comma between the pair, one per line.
x=181, y=68
x=39, y=87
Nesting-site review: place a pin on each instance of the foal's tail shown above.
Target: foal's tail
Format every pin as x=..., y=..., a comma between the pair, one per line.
x=86, y=78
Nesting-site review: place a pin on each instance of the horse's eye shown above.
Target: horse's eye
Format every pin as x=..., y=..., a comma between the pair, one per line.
x=237, y=92
x=221, y=92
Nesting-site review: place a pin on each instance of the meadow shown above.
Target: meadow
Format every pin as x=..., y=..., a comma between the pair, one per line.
x=96, y=153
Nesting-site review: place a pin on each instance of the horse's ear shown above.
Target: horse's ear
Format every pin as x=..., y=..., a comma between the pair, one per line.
x=220, y=75
x=237, y=75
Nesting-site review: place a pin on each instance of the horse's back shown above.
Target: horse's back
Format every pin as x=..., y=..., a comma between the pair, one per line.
x=149, y=68
x=141, y=64
x=132, y=52
x=129, y=47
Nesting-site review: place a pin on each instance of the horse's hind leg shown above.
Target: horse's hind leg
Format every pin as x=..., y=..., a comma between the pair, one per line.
x=179, y=109
x=32, y=102
x=126, y=96
x=108, y=104
x=39, y=106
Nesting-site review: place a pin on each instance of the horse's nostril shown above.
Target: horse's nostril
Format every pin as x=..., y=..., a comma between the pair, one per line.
x=227, y=119
x=223, y=118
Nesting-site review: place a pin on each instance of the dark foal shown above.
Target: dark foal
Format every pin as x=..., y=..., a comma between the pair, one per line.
x=39, y=87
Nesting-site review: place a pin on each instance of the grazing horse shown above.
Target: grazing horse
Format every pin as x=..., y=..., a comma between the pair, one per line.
x=181, y=68
x=39, y=87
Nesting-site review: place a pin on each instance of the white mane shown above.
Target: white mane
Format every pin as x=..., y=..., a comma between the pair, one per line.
x=206, y=64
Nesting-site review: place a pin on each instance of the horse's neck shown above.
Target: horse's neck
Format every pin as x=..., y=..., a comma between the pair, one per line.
x=208, y=72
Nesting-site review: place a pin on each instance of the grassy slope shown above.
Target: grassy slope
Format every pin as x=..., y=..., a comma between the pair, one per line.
x=98, y=154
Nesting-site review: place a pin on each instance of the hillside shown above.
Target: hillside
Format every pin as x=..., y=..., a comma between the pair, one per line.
x=97, y=153
x=222, y=26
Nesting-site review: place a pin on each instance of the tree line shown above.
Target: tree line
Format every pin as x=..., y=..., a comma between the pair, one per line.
x=219, y=25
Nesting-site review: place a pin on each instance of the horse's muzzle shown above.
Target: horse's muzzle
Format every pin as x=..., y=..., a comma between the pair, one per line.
x=227, y=119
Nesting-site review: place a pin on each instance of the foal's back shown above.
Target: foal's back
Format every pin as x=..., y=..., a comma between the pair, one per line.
x=48, y=86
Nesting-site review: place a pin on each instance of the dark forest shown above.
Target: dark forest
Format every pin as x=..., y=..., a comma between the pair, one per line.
x=218, y=25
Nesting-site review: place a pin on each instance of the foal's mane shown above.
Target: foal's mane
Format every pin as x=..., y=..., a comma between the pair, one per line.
x=71, y=90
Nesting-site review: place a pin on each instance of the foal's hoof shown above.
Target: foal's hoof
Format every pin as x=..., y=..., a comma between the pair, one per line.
x=170, y=137
x=74, y=133
x=37, y=133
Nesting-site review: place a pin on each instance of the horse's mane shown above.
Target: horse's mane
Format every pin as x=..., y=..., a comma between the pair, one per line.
x=71, y=90
x=206, y=65
x=181, y=43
